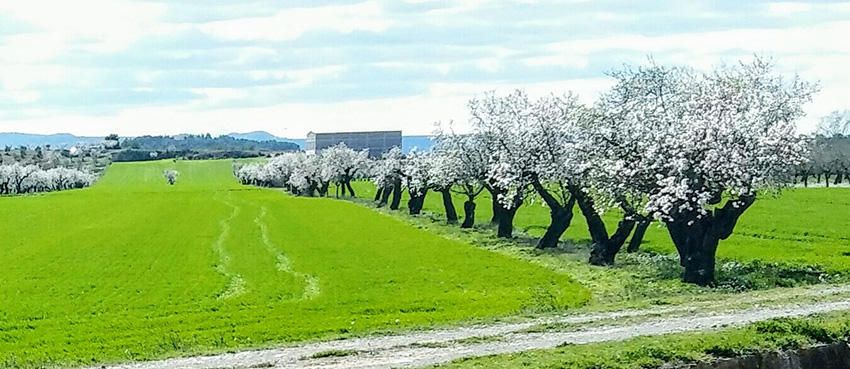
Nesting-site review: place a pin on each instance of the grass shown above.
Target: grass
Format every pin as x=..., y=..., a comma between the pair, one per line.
x=803, y=227
x=135, y=269
x=651, y=277
x=653, y=352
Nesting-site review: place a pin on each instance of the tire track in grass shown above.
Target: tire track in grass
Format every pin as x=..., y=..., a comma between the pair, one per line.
x=236, y=284
x=311, y=283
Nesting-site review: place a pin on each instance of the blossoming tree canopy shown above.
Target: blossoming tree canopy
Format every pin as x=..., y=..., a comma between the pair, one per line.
x=21, y=179
x=699, y=147
x=461, y=166
x=343, y=164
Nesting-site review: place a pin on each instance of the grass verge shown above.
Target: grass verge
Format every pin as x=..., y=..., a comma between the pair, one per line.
x=653, y=352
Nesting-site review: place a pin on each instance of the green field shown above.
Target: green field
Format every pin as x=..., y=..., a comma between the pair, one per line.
x=134, y=269
x=802, y=226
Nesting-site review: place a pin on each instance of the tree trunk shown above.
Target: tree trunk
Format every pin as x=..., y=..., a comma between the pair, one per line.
x=637, y=237
x=416, y=202
x=602, y=251
x=605, y=252
x=396, y=194
x=806, y=181
x=595, y=225
x=378, y=193
x=506, y=222
x=350, y=189
x=323, y=189
x=497, y=208
x=696, y=239
x=385, y=196
x=561, y=217
x=448, y=203
x=468, y=214
x=839, y=177
x=697, y=247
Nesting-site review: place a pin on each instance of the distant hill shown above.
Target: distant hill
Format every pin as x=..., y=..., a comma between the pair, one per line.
x=65, y=140
x=265, y=136
x=407, y=142
x=204, y=143
x=257, y=136
x=59, y=140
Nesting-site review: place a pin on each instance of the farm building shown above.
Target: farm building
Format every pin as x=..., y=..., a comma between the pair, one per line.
x=377, y=142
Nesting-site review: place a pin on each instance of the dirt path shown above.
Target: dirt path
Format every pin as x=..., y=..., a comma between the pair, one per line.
x=417, y=349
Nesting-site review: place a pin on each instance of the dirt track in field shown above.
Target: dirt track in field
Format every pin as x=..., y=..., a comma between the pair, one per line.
x=424, y=348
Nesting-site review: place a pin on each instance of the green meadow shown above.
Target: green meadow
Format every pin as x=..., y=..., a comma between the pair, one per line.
x=135, y=269
x=799, y=227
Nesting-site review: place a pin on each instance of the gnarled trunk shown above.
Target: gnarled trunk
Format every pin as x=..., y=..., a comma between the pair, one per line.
x=696, y=238
x=560, y=216
x=385, y=195
x=416, y=201
x=322, y=188
x=603, y=251
x=378, y=193
x=448, y=204
x=497, y=208
x=637, y=237
x=468, y=214
x=350, y=189
x=506, y=222
x=396, y=202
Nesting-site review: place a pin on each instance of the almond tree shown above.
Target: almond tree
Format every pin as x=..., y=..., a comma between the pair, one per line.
x=306, y=176
x=560, y=159
x=499, y=120
x=21, y=179
x=387, y=175
x=343, y=164
x=171, y=176
x=462, y=166
x=830, y=150
x=417, y=173
x=707, y=144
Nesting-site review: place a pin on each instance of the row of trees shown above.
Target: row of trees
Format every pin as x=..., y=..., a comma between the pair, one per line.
x=829, y=152
x=307, y=174
x=22, y=179
x=691, y=150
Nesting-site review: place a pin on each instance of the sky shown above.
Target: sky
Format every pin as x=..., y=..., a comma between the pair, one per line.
x=135, y=67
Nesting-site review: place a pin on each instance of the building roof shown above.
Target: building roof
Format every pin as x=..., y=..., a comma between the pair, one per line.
x=350, y=133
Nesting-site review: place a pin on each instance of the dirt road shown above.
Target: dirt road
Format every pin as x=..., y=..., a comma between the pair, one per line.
x=423, y=348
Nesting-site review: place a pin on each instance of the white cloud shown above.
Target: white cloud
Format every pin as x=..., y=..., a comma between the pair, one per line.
x=418, y=52
x=414, y=115
x=24, y=76
x=104, y=25
x=290, y=24
x=808, y=39
x=784, y=9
